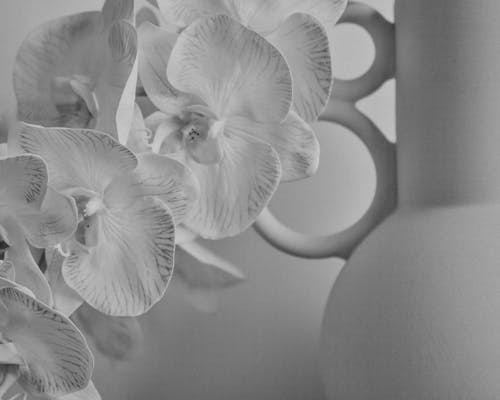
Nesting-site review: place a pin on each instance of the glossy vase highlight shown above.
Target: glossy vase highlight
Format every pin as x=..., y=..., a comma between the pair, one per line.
x=415, y=313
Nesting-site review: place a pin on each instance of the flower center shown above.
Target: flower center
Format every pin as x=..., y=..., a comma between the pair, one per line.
x=201, y=137
x=87, y=232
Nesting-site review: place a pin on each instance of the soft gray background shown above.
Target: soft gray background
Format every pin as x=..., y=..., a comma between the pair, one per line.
x=262, y=342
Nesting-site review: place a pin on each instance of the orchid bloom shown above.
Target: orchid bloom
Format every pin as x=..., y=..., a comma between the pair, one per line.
x=224, y=95
x=298, y=28
x=30, y=212
x=121, y=257
x=80, y=71
x=40, y=348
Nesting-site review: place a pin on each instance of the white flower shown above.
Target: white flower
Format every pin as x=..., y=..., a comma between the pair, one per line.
x=121, y=256
x=298, y=28
x=224, y=94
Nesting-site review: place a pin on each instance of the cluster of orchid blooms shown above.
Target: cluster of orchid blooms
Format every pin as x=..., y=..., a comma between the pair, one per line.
x=95, y=197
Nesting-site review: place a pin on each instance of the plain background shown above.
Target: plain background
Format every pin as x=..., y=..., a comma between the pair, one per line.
x=262, y=341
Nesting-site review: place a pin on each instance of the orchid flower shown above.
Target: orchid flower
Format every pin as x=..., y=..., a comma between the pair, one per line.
x=224, y=95
x=80, y=71
x=121, y=257
x=30, y=212
x=40, y=348
x=298, y=28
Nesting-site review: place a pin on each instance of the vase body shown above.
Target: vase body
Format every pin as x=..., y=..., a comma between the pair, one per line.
x=414, y=314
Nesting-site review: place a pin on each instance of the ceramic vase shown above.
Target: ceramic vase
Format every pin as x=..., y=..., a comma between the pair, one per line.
x=415, y=312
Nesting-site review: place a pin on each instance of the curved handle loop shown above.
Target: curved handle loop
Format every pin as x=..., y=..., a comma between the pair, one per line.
x=342, y=244
x=383, y=66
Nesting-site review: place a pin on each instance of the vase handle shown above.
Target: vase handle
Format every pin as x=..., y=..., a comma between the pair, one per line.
x=342, y=110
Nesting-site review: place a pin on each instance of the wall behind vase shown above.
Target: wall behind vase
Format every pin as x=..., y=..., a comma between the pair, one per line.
x=262, y=341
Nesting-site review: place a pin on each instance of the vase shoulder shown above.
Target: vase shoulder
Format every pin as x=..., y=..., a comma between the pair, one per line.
x=414, y=314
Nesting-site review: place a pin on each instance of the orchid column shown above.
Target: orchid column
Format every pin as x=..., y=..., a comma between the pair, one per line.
x=415, y=312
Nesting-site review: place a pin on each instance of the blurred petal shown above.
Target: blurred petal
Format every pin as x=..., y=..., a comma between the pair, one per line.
x=327, y=12
x=56, y=49
x=188, y=11
x=54, y=223
x=155, y=46
x=149, y=13
x=58, y=360
x=89, y=393
x=203, y=273
x=304, y=44
x=259, y=15
x=7, y=270
x=27, y=273
x=77, y=157
x=232, y=69
x=117, y=338
x=8, y=354
x=198, y=267
x=117, y=90
x=23, y=181
x=162, y=177
x=128, y=270
x=234, y=191
x=116, y=10
x=139, y=136
x=183, y=234
x=294, y=140
x=72, y=72
x=66, y=300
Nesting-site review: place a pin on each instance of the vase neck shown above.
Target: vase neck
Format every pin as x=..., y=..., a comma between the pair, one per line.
x=448, y=101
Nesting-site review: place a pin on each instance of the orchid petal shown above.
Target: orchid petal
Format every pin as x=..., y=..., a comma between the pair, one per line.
x=27, y=272
x=8, y=377
x=24, y=181
x=162, y=177
x=203, y=273
x=128, y=270
x=8, y=353
x=55, y=222
x=117, y=89
x=198, y=268
x=149, y=13
x=232, y=69
x=53, y=50
x=327, y=12
x=77, y=157
x=155, y=46
x=58, y=360
x=259, y=15
x=188, y=11
x=89, y=393
x=116, y=10
x=166, y=129
x=114, y=337
x=183, y=234
x=304, y=43
x=7, y=270
x=66, y=300
x=234, y=191
x=72, y=72
x=294, y=140
x=139, y=136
